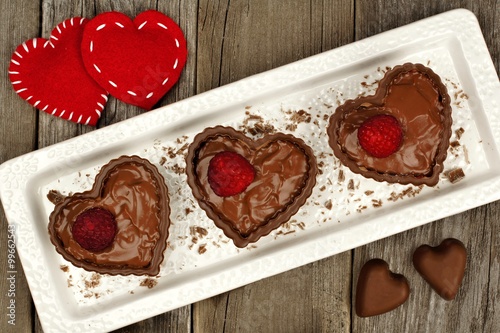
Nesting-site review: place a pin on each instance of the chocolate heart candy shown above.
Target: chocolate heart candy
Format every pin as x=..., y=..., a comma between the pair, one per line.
x=443, y=266
x=285, y=174
x=417, y=98
x=135, y=193
x=379, y=290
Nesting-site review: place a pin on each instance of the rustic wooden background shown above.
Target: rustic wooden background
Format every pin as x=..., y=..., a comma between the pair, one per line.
x=229, y=40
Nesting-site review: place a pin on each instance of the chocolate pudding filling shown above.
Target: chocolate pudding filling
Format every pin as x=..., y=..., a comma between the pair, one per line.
x=415, y=96
x=134, y=192
x=285, y=172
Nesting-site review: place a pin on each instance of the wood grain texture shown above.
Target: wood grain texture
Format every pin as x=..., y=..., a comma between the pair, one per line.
x=312, y=298
x=492, y=303
x=257, y=36
x=229, y=40
x=425, y=311
x=17, y=137
x=174, y=321
x=184, y=13
x=51, y=129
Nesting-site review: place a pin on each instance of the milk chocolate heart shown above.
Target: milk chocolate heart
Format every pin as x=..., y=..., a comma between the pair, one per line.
x=379, y=290
x=442, y=266
x=285, y=174
x=135, y=193
x=417, y=98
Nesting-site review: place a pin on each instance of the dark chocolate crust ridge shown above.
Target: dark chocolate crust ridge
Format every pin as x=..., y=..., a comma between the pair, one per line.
x=280, y=216
x=162, y=213
x=429, y=178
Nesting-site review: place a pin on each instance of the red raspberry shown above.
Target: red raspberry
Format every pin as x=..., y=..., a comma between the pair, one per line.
x=94, y=229
x=229, y=173
x=380, y=135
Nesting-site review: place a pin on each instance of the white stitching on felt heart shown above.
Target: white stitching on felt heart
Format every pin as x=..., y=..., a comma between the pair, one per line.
x=19, y=88
x=98, y=69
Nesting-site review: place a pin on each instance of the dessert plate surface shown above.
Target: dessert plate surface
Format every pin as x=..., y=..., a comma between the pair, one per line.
x=344, y=211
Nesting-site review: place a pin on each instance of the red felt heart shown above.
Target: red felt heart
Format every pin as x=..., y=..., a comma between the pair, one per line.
x=136, y=61
x=50, y=75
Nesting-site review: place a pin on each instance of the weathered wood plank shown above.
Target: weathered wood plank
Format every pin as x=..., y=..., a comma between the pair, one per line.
x=211, y=26
x=312, y=298
x=55, y=12
x=227, y=41
x=174, y=321
x=425, y=311
x=184, y=12
x=52, y=130
x=492, y=221
x=19, y=21
x=468, y=312
x=331, y=294
x=237, y=39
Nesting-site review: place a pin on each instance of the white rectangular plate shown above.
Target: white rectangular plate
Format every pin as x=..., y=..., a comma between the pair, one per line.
x=343, y=212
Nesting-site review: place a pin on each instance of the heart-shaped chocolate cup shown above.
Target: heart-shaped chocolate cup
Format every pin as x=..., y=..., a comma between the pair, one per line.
x=443, y=266
x=133, y=190
x=285, y=174
x=379, y=290
x=418, y=99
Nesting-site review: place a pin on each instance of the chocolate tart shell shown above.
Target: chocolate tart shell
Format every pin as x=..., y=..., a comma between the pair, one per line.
x=163, y=213
x=278, y=217
x=377, y=100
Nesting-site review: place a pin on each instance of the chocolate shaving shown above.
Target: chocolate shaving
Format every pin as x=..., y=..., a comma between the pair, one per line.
x=466, y=155
x=301, y=116
x=55, y=196
x=178, y=169
x=149, y=282
x=198, y=231
x=408, y=192
x=459, y=133
x=94, y=281
x=259, y=126
x=202, y=248
x=341, y=177
x=456, y=175
x=329, y=204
